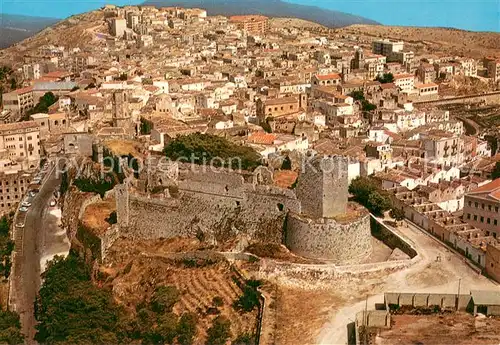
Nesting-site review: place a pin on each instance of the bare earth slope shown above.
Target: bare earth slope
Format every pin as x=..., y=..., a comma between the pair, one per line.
x=76, y=31
x=450, y=41
x=279, y=23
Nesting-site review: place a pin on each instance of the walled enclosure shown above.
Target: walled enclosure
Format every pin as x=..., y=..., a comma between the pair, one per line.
x=226, y=207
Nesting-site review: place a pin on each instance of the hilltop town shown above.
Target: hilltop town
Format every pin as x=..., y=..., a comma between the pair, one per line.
x=248, y=180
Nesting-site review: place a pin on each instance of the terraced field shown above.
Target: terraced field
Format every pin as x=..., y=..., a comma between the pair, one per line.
x=136, y=270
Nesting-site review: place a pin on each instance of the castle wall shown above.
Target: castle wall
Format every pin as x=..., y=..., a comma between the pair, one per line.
x=257, y=212
x=327, y=239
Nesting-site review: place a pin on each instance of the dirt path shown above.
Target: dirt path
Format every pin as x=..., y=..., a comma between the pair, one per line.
x=425, y=276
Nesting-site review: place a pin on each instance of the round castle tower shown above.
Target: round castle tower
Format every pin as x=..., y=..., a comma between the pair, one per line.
x=327, y=228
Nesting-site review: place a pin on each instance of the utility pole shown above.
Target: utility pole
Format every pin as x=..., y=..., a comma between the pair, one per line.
x=458, y=294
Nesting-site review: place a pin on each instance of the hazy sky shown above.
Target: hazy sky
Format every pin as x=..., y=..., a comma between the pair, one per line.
x=480, y=15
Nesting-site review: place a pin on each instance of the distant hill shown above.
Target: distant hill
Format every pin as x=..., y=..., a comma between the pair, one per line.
x=271, y=8
x=15, y=28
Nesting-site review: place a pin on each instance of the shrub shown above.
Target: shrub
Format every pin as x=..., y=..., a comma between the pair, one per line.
x=112, y=219
x=186, y=329
x=164, y=299
x=244, y=339
x=217, y=301
x=219, y=332
x=248, y=301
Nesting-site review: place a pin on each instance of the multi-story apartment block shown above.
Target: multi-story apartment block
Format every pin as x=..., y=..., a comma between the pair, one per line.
x=118, y=27
x=31, y=72
x=482, y=208
x=21, y=141
x=493, y=66
x=469, y=67
x=254, y=24
x=442, y=147
x=406, y=82
x=13, y=186
x=386, y=47
x=18, y=101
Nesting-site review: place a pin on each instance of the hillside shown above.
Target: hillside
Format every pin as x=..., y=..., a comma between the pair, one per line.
x=295, y=23
x=75, y=31
x=15, y=28
x=432, y=40
x=271, y=8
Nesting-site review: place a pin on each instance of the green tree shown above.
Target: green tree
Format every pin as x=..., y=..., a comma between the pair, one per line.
x=164, y=299
x=397, y=214
x=10, y=328
x=248, y=301
x=71, y=310
x=496, y=171
x=385, y=78
x=361, y=188
x=367, y=106
x=219, y=332
x=186, y=329
x=358, y=95
x=146, y=126
x=211, y=149
x=287, y=164
x=43, y=104
x=378, y=203
x=370, y=195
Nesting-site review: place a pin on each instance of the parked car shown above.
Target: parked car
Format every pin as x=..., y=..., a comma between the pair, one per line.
x=23, y=209
x=53, y=202
x=26, y=204
x=20, y=224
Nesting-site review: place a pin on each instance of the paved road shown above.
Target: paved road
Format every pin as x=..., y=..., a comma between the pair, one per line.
x=40, y=239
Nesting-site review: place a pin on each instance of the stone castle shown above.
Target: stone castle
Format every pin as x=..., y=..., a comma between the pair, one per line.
x=235, y=209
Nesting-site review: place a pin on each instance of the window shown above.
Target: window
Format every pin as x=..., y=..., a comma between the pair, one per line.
x=489, y=207
x=488, y=221
x=476, y=204
x=495, y=222
x=496, y=208
x=482, y=206
x=482, y=219
x=20, y=138
x=470, y=203
x=475, y=217
x=468, y=216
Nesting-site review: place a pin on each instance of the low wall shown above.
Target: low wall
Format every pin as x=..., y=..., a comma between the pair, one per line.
x=383, y=233
x=317, y=273
x=329, y=240
x=425, y=300
x=488, y=98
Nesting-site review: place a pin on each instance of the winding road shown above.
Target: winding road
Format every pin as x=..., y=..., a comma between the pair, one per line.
x=38, y=241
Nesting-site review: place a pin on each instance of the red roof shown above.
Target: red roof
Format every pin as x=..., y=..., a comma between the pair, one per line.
x=488, y=188
x=328, y=76
x=262, y=138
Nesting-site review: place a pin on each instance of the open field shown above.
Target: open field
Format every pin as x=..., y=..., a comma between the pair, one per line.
x=457, y=329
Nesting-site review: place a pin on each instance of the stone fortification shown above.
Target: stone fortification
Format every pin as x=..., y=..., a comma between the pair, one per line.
x=221, y=207
x=328, y=239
